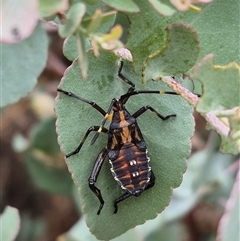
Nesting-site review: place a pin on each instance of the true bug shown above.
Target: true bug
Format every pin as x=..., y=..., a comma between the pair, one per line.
x=126, y=148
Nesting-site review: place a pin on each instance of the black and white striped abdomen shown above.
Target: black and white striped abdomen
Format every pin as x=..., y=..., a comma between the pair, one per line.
x=131, y=169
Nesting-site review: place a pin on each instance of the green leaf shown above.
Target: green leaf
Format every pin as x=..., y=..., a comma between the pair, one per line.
x=70, y=48
x=74, y=18
x=31, y=227
x=18, y=20
x=44, y=137
x=97, y=19
x=91, y=2
x=182, y=43
x=49, y=8
x=21, y=65
x=219, y=36
x=146, y=34
x=208, y=167
x=169, y=232
x=125, y=6
x=45, y=162
x=80, y=232
x=205, y=176
x=221, y=85
x=168, y=143
x=48, y=178
x=9, y=218
x=91, y=9
x=161, y=8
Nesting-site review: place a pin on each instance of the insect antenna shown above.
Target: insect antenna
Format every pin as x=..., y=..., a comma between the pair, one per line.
x=136, y=92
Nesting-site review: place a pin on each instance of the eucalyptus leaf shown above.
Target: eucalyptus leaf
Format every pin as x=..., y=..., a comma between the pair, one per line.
x=162, y=8
x=49, y=8
x=18, y=20
x=80, y=232
x=70, y=48
x=45, y=162
x=127, y=6
x=21, y=65
x=50, y=179
x=221, y=85
x=91, y=2
x=31, y=227
x=146, y=33
x=74, y=18
x=219, y=36
x=168, y=143
x=9, y=218
x=182, y=43
x=172, y=231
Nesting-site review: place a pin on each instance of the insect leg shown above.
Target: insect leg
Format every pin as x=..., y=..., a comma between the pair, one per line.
x=93, y=104
x=93, y=177
x=92, y=128
x=147, y=107
x=127, y=194
x=120, y=199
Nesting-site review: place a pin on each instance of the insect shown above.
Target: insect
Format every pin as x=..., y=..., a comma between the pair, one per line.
x=125, y=148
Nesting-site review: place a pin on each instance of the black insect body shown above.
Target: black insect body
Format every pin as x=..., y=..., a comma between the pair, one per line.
x=126, y=148
x=127, y=153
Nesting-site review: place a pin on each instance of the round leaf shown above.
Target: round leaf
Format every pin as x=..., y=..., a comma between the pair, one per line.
x=9, y=218
x=177, y=56
x=74, y=18
x=221, y=85
x=22, y=63
x=162, y=8
x=217, y=35
x=18, y=20
x=70, y=47
x=146, y=33
x=45, y=161
x=168, y=143
x=49, y=8
x=127, y=6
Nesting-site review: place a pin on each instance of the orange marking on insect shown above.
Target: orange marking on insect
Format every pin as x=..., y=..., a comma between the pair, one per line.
x=125, y=135
x=109, y=117
x=121, y=168
x=123, y=123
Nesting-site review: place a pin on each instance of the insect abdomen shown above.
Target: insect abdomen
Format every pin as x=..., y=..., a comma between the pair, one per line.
x=131, y=169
